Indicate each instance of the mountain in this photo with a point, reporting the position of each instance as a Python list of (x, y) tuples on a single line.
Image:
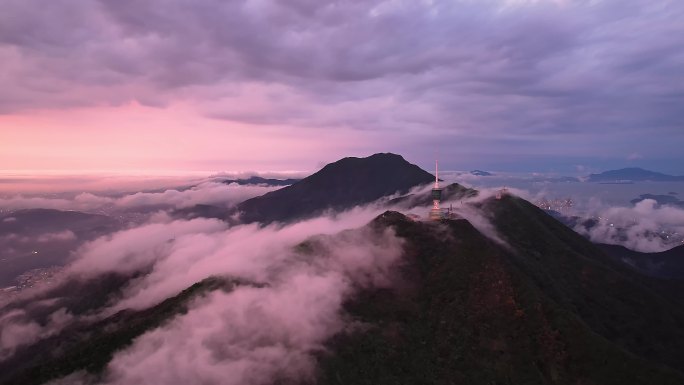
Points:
[(616, 302), (90, 345), (337, 186), (481, 173), (515, 297), (540, 306), (261, 181), (667, 264), (547, 307), (634, 174)]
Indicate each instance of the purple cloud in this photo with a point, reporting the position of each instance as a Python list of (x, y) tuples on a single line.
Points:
[(530, 74)]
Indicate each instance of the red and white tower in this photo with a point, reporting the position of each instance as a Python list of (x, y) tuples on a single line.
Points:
[(436, 212)]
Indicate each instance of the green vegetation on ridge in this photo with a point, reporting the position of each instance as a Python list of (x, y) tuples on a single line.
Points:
[(90, 347), (464, 311)]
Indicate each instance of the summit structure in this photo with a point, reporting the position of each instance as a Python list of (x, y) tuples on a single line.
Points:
[(436, 211)]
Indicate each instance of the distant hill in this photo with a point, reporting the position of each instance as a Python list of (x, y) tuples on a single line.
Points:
[(633, 174), (481, 173), (559, 179), (201, 211), (39, 238), (452, 192), (50, 220), (257, 180), (670, 200), (338, 186)]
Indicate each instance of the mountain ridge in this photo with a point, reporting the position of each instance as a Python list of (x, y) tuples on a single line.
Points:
[(479, 313), (464, 307), (340, 185), (520, 298), (257, 180), (635, 174), (668, 264)]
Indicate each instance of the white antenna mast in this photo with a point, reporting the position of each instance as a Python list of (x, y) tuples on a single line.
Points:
[(436, 212)]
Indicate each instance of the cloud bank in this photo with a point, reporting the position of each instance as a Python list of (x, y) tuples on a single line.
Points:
[(526, 79), (645, 227), (251, 335), (209, 193)]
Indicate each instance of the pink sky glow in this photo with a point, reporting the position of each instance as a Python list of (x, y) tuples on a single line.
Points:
[(137, 139), (511, 85)]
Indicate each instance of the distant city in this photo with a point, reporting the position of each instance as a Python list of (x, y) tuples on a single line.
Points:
[(30, 279), (560, 205)]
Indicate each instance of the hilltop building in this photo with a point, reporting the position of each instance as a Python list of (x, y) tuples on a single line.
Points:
[(501, 193)]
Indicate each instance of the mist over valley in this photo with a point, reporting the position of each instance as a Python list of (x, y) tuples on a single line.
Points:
[(287, 282)]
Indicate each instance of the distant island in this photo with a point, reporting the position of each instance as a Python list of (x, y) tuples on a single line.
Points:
[(560, 179), (257, 180), (670, 199), (481, 173), (632, 174)]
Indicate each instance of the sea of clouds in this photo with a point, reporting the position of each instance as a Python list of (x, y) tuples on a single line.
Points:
[(206, 192), (256, 333), (646, 226), (253, 333)]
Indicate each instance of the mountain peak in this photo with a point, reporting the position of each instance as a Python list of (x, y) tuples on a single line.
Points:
[(481, 173), (633, 174), (379, 158), (338, 186)]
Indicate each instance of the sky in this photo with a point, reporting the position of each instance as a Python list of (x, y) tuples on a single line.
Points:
[(559, 86)]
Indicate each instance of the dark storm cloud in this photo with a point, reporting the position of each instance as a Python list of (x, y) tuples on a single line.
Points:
[(454, 67)]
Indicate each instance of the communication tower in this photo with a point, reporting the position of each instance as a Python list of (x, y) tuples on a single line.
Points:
[(436, 212)]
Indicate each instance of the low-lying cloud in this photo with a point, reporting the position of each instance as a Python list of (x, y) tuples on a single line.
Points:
[(253, 334), (62, 236), (210, 193), (645, 227), (17, 329), (180, 253), (603, 213)]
